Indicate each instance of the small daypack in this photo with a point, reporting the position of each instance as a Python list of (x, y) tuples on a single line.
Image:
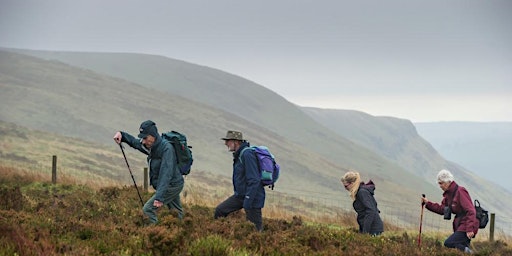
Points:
[(182, 150), (482, 215), (270, 170)]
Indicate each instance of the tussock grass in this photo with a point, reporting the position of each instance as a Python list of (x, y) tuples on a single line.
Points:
[(40, 218)]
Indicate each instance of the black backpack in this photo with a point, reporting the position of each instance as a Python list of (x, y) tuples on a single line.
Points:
[(481, 214), (183, 151)]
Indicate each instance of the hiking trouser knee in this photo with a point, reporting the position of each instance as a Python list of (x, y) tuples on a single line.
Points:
[(171, 198), (150, 210), (457, 240), (176, 204), (229, 205)]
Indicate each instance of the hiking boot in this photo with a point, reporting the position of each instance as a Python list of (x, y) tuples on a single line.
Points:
[(468, 251)]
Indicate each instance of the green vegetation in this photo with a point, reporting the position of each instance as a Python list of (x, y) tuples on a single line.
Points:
[(40, 218), (74, 114), (86, 99)]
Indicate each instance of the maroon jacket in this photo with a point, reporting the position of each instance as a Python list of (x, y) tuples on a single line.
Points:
[(462, 205)]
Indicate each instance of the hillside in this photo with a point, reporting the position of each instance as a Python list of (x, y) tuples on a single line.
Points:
[(236, 96), (398, 141), (78, 102), (483, 148), (395, 139), (52, 96), (40, 218)]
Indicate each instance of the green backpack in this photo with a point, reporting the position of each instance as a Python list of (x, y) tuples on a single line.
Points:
[(183, 151)]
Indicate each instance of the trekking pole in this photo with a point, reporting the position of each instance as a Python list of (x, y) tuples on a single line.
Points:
[(126, 160), (421, 221)]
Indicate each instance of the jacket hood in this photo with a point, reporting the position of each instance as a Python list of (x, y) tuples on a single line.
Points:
[(370, 186)]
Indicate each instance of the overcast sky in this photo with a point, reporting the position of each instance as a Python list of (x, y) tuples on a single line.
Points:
[(436, 60)]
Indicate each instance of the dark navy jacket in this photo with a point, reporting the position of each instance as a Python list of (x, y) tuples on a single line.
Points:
[(161, 159), (367, 212), (247, 178)]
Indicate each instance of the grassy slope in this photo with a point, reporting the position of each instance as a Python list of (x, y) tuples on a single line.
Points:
[(234, 95), (75, 102), (94, 163), (463, 143), (39, 218), (398, 141)]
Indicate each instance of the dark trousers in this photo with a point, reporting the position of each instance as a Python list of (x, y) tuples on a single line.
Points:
[(171, 199), (457, 240), (234, 203)]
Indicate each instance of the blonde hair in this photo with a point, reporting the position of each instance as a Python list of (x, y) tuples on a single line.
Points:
[(354, 178)]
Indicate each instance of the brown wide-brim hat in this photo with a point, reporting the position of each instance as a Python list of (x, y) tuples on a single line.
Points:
[(233, 135)]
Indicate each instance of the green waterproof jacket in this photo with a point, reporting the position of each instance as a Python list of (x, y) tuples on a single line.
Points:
[(161, 159)]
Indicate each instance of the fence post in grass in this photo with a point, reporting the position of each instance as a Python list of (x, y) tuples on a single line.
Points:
[(54, 169), (146, 179), (491, 228)]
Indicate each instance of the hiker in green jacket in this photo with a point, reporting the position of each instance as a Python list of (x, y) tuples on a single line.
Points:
[(164, 175)]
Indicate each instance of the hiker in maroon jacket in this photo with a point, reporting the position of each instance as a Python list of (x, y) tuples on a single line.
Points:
[(456, 200)]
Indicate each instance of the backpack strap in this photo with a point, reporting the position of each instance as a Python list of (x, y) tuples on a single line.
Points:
[(255, 155), (242, 152), (254, 152)]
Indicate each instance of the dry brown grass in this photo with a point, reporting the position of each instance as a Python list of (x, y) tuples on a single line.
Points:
[(106, 220), (30, 173), (199, 191)]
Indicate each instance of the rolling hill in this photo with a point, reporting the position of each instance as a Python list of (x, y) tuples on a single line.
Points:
[(398, 141), (483, 148), (91, 95)]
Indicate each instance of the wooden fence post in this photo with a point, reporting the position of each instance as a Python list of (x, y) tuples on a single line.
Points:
[(146, 179), (491, 228), (54, 169)]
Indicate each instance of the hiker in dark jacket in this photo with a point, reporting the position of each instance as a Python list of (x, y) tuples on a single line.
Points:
[(164, 175), (249, 193), (364, 203), (457, 200)]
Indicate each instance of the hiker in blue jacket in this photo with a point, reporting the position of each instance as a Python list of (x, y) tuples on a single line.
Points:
[(164, 175), (364, 203), (249, 193)]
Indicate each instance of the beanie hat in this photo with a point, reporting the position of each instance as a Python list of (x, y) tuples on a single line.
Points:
[(148, 128)]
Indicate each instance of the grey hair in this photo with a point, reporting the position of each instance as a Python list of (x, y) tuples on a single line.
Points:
[(445, 176)]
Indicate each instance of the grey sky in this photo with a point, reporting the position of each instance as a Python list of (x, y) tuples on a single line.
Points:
[(420, 60)]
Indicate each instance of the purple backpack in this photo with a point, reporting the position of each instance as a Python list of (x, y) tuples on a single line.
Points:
[(267, 164)]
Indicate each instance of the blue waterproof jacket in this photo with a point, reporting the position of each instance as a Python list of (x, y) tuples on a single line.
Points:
[(247, 178), (161, 159)]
